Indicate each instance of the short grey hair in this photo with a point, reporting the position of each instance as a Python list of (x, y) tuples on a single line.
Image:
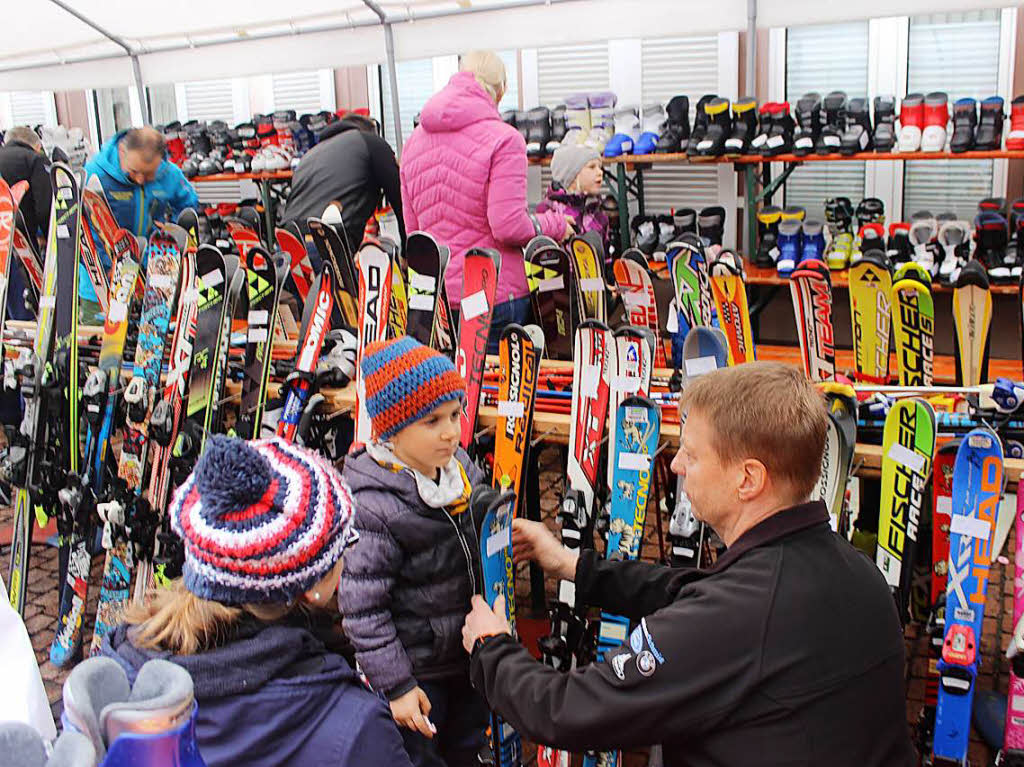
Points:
[(25, 135)]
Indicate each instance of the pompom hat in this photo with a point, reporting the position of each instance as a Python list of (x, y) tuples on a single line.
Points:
[(262, 521), (405, 381)]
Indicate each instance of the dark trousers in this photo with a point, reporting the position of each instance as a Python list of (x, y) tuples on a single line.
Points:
[(460, 716)]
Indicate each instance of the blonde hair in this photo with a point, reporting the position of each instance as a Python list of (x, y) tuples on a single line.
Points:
[(767, 411), (176, 620), (488, 69)]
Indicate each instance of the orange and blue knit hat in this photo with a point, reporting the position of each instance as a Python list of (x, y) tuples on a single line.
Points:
[(405, 381)]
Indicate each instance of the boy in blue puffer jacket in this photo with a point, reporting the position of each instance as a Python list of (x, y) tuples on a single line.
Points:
[(407, 586)]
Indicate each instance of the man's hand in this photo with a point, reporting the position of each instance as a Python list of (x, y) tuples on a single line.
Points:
[(533, 541), (411, 711), (482, 621)]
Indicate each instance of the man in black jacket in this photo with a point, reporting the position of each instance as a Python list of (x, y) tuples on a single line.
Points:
[(788, 651), (21, 159), (350, 164)]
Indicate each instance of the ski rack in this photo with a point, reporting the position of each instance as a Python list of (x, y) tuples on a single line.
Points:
[(263, 180)]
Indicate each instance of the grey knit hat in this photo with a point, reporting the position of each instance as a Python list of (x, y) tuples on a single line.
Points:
[(568, 161)]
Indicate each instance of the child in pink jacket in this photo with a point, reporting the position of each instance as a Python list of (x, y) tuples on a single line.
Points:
[(463, 176)]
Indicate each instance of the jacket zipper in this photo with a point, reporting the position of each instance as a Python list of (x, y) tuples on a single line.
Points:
[(465, 551), (142, 212)]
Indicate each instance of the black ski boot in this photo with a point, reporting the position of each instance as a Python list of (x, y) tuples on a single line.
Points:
[(780, 137), (839, 215), (808, 111), (538, 131), (711, 224), (767, 236), (744, 127), (557, 129), (833, 123), (764, 128), (675, 131), (700, 124), (857, 136), (719, 128), (885, 123), (991, 234), (965, 122), (870, 211), (990, 125), (685, 220), (993, 205)]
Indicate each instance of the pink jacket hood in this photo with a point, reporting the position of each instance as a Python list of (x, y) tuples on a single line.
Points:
[(464, 181)]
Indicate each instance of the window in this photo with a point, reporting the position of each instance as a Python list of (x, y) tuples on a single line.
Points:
[(29, 108), (511, 98), (824, 58), (957, 53), (113, 111), (302, 91), (415, 86), (207, 100), (162, 104), (670, 67)]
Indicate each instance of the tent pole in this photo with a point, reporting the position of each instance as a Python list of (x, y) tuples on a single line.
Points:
[(147, 112), (751, 74), (389, 47)]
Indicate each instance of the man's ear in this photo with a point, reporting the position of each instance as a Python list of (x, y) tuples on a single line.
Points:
[(753, 479)]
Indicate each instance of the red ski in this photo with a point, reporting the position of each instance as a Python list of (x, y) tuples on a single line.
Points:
[(479, 284)]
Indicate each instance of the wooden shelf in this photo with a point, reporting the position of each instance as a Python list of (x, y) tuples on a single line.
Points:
[(271, 175), (758, 275)]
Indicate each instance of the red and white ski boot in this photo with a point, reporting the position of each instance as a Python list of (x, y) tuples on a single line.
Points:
[(936, 115), (911, 123), (1015, 138)]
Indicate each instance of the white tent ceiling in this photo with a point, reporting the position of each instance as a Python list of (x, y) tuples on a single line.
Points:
[(45, 47)]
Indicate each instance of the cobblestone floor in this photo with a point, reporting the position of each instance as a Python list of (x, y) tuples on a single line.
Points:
[(41, 613)]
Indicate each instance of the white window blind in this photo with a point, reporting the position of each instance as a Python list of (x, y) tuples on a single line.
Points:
[(297, 90), (415, 86), (671, 67), (30, 108), (209, 100), (511, 98), (824, 58), (957, 53)]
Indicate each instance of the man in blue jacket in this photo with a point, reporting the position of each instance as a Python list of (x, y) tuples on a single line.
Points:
[(141, 185)]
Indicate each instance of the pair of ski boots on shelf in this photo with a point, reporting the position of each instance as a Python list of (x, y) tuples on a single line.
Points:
[(774, 131), (588, 118), (786, 237), (924, 119), (110, 723), (999, 234), (838, 125), (543, 129), (939, 245), (721, 129), (653, 234)]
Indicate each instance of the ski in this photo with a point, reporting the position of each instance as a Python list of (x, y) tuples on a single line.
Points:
[(519, 359), (316, 322), (691, 284), (972, 315), (98, 213), (870, 311), (479, 284), (631, 457), (588, 262), (398, 311), (552, 284), (332, 249), (25, 248), (426, 271), (1013, 743), (977, 486), (301, 268), (730, 294), (8, 206), (251, 253), (445, 331), (636, 288), (837, 460), (263, 288), (499, 580), (908, 444), (913, 331), (375, 283), (811, 288), (630, 365)]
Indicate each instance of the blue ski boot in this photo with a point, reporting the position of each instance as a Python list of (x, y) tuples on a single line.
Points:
[(790, 247), (813, 241)]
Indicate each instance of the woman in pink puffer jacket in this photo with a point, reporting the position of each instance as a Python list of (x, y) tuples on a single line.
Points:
[(464, 180)]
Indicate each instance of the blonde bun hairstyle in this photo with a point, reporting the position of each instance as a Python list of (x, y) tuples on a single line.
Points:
[(488, 69)]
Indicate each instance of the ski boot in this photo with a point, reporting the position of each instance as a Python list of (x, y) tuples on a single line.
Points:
[(685, 220), (833, 123), (557, 130), (871, 210), (857, 136), (764, 127), (991, 235), (911, 122), (993, 205), (808, 118), (627, 129), (793, 213), (885, 123), (645, 234), (652, 117), (538, 131), (869, 237), (675, 131), (923, 232), (790, 246), (899, 249), (936, 115), (154, 723), (711, 225), (700, 124), (965, 122), (955, 240), (509, 117), (666, 226), (744, 127), (780, 135), (813, 237), (989, 135), (22, 745), (839, 221), (1015, 137), (718, 129), (768, 219), (602, 120), (577, 119)]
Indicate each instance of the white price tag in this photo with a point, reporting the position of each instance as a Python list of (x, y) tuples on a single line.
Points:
[(970, 526), (212, 278), (474, 305), (627, 384), (256, 335), (672, 323), (421, 302), (117, 311), (64, 192), (258, 317), (590, 377), (162, 281), (633, 299), (62, 231), (191, 296), (592, 284), (499, 540), (510, 409), (830, 140), (550, 284), (47, 302), (634, 461), (906, 458), (698, 366), (944, 505), (775, 141), (422, 282)]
